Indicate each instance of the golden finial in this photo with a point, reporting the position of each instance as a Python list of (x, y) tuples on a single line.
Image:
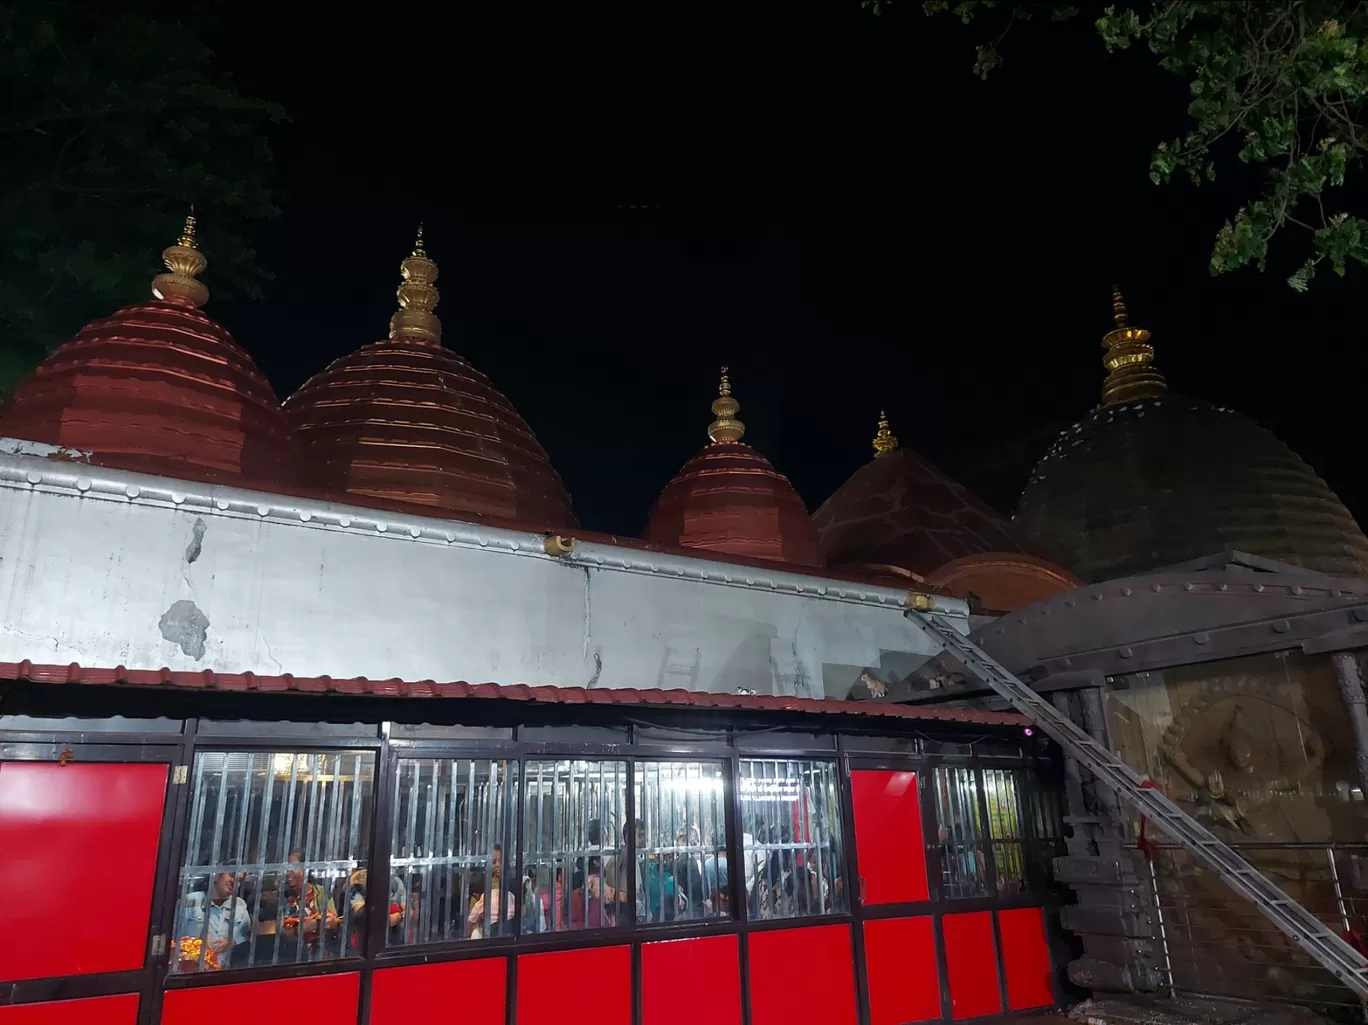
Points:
[(884, 440), (1131, 374), (182, 261), (726, 427), (418, 297), (1118, 305)]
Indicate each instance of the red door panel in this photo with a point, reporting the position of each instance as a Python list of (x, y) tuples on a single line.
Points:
[(118, 1010), (900, 966), (888, 837), (576, 987), (1026, 958), (685, 982), (971, 956), (315, 998), (802, 976), (449, 993), (65, 827)]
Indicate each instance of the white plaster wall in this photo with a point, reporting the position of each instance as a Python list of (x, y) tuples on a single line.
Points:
[(91, 561)]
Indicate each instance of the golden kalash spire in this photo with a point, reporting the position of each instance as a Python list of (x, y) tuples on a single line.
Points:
[(884, 439), (726, 427), (183, 261), (1131, 374), (418, 297)]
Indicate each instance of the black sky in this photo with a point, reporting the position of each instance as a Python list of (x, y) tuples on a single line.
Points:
[(829, 202)]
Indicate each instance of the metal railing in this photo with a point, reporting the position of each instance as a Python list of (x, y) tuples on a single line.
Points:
[(1213, 944)]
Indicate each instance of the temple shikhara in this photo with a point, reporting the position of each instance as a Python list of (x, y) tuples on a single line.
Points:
[(328, 708)]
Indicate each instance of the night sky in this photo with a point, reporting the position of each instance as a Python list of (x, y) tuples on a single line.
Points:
[(832, 204)]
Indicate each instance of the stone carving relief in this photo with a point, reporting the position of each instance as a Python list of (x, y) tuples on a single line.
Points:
[(1240, 753)]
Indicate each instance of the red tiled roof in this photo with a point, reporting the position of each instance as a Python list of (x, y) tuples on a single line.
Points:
[(207, 679)]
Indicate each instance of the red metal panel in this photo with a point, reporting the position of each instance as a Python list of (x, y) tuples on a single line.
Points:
[(314, 998), (1026, 958), (116, 1010), (888, 837), (58, 825), (685, 982), (900, 968), (971, 956), (802, 977), (449, 993), (576, 987)]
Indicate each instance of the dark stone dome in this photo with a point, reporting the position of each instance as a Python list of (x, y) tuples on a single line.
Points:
[(1145, 484)]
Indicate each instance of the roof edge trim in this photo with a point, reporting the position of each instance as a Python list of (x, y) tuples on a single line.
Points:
[(58, 476)]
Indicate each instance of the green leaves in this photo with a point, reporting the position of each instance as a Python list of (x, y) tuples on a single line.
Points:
[(114, 123), (1278, 83)]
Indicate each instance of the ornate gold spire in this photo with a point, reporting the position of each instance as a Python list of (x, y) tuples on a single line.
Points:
[(418, 297), (183, 261), (1131, 374), (726, 427), (884, 440)]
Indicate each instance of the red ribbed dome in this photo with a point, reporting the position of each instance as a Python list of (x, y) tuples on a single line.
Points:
[(157, 388), (729, 499), (410, 421)]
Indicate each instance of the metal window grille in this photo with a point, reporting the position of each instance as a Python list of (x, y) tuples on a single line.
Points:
[(575, 860), (682, 863), (960, 833), (274, 839), (447, 842), (791, 835), (1002, 793)]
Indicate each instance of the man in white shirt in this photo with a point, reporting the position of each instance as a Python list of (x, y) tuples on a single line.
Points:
[(229, 919)]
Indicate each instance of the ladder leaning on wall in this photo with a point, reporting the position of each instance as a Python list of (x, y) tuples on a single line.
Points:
[(1306, 930)]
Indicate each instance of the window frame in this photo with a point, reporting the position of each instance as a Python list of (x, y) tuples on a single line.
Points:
[(268, 745)]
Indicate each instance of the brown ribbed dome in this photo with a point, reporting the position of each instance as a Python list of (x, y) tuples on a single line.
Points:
[(410, 421), (899, 509), (159, 388), (729, 499), (1152, 483)]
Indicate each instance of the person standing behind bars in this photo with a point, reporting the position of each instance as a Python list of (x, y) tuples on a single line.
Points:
[(616, 869)]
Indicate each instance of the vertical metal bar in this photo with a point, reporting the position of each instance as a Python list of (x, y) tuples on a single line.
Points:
[(1163, 929), (814, 855), (541, 800), (264, 857), (287, 842), (422, 835), (563, 866), (215, 856), (336, 852), (311, 851), (240, 856), (487, 824), (1339, 892), (628, 839), (353, 828)]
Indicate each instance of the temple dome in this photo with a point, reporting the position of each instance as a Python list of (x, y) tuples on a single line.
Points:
[(408, 420), (159, 388), (729, 499), (898, 509), (1151, 479)]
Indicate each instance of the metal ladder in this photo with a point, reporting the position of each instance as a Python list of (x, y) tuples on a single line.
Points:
[(1301, 926)]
